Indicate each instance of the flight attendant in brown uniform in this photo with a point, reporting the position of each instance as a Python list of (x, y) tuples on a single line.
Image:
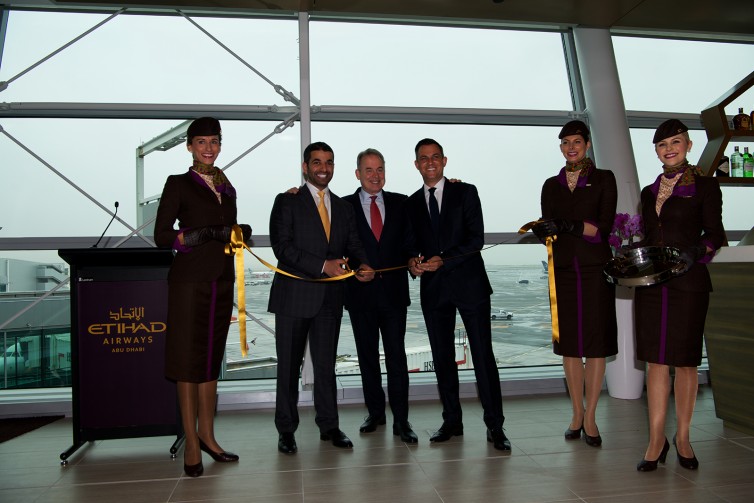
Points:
[(682, 209), (200, 287), (578, 206)]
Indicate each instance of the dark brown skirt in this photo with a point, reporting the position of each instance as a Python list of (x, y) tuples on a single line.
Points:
[(198, 320), (670, 325), (586, 313)]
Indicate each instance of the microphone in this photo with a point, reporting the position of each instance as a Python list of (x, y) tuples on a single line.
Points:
[(108, 225)]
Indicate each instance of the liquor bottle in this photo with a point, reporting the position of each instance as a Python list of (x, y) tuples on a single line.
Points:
[(748, 163), (741, 120), (751, 120), (736, 164), (723, 167)]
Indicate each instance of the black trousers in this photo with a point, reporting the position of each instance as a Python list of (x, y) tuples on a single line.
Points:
[(367, 326), (441, 328), (291, 334)]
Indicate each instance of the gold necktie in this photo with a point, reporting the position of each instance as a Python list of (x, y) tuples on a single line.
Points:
[(323, 213)]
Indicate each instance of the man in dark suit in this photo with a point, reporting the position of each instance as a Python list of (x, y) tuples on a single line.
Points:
[(447, 226), (380, 305), (312, 232)]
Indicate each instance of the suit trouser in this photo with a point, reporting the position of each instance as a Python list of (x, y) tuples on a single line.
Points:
[(367, 325), (291, 335), (441, 329)]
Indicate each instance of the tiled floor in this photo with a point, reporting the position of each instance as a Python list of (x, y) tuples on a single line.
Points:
[(543, 467)]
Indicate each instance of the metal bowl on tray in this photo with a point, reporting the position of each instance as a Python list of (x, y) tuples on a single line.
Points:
[(644, 266)]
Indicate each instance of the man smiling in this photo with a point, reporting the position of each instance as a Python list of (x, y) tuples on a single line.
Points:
[(312, 233)]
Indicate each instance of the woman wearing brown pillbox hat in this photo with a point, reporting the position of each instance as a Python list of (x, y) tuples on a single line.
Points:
[(200, 287), (682, 209), (578, 205)]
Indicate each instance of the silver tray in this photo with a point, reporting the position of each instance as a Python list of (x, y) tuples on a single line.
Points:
[(645, 266)]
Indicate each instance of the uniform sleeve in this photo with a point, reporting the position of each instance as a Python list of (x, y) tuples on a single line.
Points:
[(165, 234)]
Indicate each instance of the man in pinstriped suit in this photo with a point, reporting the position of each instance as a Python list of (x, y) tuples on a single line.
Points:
[(308, 309)]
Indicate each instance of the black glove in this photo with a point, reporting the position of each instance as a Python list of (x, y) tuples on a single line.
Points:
[(195, 237), (558, 226), (246, 230), (545, 229), (575, 227), (691, 254)]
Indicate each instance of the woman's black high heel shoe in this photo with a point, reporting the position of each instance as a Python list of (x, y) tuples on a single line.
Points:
[(573, 434), (193, 470), (592, 441), (220, 457), (650, 466), (687, 463)]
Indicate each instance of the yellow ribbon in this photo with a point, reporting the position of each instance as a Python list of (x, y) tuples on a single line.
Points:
[(550, 277), (235, 247)]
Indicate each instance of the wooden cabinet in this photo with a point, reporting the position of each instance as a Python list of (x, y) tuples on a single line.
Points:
[(719, 133)]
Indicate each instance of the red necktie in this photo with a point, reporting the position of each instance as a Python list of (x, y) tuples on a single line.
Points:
[(376, 218)]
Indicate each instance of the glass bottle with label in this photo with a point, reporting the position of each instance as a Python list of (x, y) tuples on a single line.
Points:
[(748, 163), (736, 164), (741, 120)]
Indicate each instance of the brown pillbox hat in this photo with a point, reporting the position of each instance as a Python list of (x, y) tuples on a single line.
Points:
[(203, 126), (574, 127), (670, 127)]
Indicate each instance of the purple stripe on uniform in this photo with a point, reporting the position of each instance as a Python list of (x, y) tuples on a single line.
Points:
[(580, 305), (663, 327), (211, 334)]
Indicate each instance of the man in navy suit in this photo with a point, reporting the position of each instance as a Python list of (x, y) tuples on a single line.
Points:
[(447, 226), (381, 305), (311, 233)]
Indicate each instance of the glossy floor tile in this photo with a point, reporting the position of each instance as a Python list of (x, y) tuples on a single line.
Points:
[(543, 466)]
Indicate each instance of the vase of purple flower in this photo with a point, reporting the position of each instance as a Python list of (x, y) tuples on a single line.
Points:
[(626, 229)]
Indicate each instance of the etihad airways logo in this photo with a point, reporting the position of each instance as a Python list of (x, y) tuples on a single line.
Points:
[(129, 328)]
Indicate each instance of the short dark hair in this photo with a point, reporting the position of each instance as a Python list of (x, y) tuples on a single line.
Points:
[(369, 151), (316, 146), (424, 142)]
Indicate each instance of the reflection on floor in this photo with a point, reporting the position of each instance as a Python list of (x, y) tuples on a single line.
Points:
[(543, 467)]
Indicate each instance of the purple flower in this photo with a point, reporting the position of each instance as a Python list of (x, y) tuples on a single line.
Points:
[(625, 227)]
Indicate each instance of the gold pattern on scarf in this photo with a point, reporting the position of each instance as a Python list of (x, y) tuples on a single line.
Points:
[(665, 191)]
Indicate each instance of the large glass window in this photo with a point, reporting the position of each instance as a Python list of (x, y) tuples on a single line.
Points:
[(98, 156), (148, 59), (426, 66), (681, 75)]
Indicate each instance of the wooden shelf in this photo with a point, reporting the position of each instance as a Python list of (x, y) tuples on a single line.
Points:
[(727, 181), (719, 133)]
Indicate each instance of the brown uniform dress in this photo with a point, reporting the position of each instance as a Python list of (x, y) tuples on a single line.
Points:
[(586, 301), (200, 282), (670, 316)]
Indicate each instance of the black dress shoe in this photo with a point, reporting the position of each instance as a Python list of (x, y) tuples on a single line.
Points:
[(338, 438), (498, 439), (220, 457), (446, 431), (193, 470), (573, 434), (687, 463), (287, 443), (403, 429), (371, 422), (650, 466)]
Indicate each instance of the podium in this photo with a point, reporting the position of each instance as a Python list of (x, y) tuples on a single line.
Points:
[(118, 329)]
